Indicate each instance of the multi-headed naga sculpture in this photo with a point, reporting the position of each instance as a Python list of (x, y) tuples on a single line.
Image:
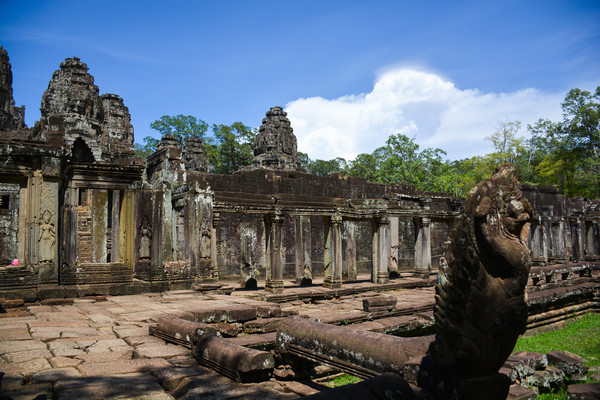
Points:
[(480, 305)]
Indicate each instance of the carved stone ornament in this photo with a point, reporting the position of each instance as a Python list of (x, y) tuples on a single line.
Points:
[(480, 305)]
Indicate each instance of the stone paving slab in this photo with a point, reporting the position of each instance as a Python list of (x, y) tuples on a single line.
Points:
[(26, 355), (102, 349), (130, 386), (122, 366), (10, 346)]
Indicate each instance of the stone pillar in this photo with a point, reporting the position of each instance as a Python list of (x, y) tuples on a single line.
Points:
[(422, 248), (127, 229), (349, 271), (558, 234), (547, 213), (381, 247), (333, 252), (539, 248), (576, 238), (116, 214), (303, 249), (591, 240), (394, 246), (274, 282), (216, 221)]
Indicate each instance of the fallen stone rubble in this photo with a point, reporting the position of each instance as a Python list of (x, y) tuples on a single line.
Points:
[(537, 373)]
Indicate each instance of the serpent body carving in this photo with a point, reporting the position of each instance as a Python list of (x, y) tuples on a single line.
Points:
[(480, 299)]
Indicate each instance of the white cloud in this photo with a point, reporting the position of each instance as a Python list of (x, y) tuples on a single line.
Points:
[(420, 105)]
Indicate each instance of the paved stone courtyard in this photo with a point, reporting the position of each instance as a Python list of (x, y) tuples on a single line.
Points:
[(100, 348)]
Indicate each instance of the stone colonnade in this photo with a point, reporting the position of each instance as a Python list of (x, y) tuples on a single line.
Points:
[(558, 239), (384, 240)]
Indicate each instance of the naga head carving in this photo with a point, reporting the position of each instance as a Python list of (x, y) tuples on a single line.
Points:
[(480, 302)]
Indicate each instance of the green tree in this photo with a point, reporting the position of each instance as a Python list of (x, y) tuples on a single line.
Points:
[(233, 147), (327, 167), (181, 127), (567, 152)]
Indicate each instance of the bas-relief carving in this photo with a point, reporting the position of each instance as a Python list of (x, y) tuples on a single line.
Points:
[(248, 243), (47, 239), (205, 231), (145, 239)]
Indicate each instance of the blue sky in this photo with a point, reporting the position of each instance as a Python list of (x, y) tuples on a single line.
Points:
[(349, 73)]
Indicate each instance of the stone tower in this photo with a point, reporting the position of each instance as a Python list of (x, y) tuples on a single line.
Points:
[(11, 117), (91, 127), (194, 155), (275, 144)]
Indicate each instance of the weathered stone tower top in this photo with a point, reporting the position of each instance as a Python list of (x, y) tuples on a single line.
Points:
[(11, 117), (194, 155), (275, 145), (75, 116), (71, 91)]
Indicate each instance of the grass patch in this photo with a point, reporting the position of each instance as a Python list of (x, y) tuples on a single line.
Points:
[(341, 380), (581, 337)]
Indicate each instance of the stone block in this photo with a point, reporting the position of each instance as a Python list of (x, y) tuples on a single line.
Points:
[(410, 370), (131, 386), (518, 392), (584, 391), (55, 374), (524, 366), (540, 360), (379, 303), (20, 356), (62, 362), (11, 346), (227, 329), (236, 362), (106, 356), (27, 367), (180, 331), (122, 366), (546, 379), (569, 363), (512, 373), (170, 378), (160, 351), (56, 302), (231, 313), (262, 325), (268, 310)]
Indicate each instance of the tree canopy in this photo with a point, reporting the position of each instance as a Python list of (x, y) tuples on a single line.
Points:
[(563, 153)]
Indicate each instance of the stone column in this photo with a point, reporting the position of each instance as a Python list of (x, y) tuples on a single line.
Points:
[(591, 240), (423, 248), (547, 213), (558, 234), (303, 249), (274, 281), (349, 250), (576, 237), (216, 221), (382, 247), (333, 252), (394, 246), (116, 214)]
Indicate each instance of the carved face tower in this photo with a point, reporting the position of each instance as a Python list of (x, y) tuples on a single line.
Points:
[(275, 144)]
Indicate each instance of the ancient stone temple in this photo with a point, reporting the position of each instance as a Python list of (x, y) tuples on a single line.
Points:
[(275, 145), (83, 216), (11, 117)]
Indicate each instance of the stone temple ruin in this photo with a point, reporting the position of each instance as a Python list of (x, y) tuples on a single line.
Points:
[(80, 215)]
